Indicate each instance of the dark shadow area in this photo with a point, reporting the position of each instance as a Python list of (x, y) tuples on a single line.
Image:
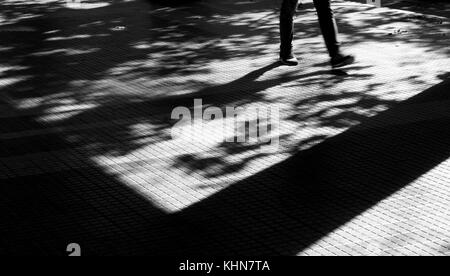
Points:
[(281, 210), (56, 53), (42, 213)]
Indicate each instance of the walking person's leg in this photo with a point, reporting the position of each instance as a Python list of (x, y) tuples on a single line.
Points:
[(288, 9), (328, 26), (330, 33)]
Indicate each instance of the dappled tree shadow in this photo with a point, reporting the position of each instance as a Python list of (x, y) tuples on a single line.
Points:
[(154, 45), (104, 62), (288, 207), (113, 68)]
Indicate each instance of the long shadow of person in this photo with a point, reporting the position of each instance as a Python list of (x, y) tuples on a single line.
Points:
[(130, 110)]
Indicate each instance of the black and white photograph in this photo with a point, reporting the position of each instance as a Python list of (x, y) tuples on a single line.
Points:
[(222, 134)]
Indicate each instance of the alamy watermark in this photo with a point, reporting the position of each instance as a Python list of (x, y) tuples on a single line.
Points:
[(253, 125)]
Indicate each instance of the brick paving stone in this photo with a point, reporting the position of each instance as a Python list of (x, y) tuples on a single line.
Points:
[(87, 155)]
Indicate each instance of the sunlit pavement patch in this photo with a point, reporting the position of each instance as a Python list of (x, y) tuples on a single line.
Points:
[(112, 106)]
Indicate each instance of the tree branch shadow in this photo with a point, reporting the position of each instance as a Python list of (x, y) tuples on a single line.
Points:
[(290, 206)]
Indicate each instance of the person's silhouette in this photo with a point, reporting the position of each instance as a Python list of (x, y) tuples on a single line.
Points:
[(329, 31)]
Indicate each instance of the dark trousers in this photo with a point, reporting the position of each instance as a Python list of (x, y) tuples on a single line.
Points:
[(326, 20)]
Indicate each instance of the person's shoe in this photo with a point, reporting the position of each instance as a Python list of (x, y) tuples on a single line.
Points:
[(341, 60), (289, 61)]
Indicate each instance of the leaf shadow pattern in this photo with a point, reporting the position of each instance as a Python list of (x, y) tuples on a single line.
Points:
[(286, 208), (153, 48), (50, 66)]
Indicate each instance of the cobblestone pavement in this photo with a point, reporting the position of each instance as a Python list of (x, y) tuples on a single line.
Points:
[(87, 156)]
